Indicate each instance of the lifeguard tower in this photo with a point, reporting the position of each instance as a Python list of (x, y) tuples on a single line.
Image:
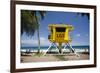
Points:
[(59, 33)]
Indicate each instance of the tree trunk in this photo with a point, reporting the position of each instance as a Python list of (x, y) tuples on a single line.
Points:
[(60, 48), (38, 34), (38, 40)]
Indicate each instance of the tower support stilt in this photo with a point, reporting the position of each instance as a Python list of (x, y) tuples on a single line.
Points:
[(60, 50), (52, 44), (71, 49)]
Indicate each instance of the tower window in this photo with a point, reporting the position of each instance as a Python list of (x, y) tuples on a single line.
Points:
[(60, 29)]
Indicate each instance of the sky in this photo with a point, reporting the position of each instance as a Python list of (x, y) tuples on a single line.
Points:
[(80, 34)]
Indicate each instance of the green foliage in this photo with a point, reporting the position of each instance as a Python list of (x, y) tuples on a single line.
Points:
[(38, 54), (30, 21), (60, 57), (83, 14)]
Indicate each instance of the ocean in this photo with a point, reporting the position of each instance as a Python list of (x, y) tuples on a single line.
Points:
[(46, 47)]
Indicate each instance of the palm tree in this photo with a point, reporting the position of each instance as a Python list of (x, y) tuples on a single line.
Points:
[(30, 23), (82, 14), (37, 19)]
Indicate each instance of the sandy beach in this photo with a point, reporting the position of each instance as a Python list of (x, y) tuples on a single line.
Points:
[(32, 57)]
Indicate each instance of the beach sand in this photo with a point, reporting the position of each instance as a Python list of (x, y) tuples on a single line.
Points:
[(53, 57)]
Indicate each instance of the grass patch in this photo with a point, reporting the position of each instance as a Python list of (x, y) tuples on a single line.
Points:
[(38, 54), (60, 57)]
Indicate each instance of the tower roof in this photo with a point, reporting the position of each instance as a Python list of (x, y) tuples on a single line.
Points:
[(61, 25)]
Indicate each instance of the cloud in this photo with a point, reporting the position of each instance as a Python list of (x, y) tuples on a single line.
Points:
[(78, 35), (34, 42), (42, 39), (29, 42)]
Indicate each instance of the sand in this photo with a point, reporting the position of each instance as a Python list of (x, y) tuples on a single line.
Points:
[(53, 57)]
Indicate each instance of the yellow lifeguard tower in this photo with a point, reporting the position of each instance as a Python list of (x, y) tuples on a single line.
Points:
[(59, 33)]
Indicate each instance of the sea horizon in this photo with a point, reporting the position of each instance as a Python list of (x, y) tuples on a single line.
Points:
[(46, 47)]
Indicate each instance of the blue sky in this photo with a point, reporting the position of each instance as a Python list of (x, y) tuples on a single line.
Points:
[(80, 34)]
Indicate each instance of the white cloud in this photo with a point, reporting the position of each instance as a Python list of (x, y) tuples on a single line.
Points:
[(34, 42), (42, 39), (78, 35)]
